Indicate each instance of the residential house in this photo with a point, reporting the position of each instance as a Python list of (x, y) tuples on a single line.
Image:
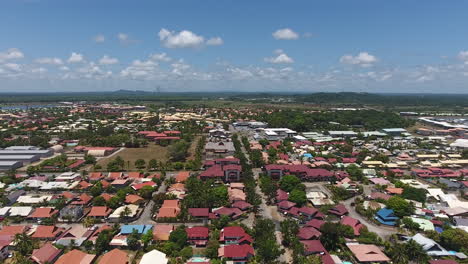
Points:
[(47, 232), (115, 256), (197, 235), (339, 210), (76, 257), (46, 254), (238, 254), (368, 253), (386, 217)]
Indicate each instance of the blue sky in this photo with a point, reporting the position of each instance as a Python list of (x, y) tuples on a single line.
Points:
[(217, 45)]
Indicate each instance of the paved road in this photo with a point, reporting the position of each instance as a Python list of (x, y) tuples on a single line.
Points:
[(272, 213), (383, 231), (146, 218)]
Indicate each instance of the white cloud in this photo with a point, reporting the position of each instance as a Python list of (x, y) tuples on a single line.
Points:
[(182, 39), (286, 34), (122, 37), (11, 54), (160, 57), (52, 61), (12, 67), (215, 41), (75, 58), (39, 70), (64, 68), (363, 59), (280, 59), (106, 60), (463, 56), (99, 38)]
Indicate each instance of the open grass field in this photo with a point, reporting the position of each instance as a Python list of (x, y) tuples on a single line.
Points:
[(153, 151)]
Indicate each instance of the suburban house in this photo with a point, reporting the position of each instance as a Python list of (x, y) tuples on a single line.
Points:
[(197, 235), (76, 257), (368, 253), (46, 254), (386, 217), (238, 254)]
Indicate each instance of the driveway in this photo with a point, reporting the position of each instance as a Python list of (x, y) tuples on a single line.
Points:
[(146, 218), (383, 231)]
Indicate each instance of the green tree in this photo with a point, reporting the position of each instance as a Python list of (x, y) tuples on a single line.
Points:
[(289, 182), (298, 196), (152, 164), (179, 237), (24, 244), (400, 206), (146, 192), (133, 240), (140, 163)]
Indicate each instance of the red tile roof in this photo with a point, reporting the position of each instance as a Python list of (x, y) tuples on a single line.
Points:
[(115, 256), (43, 212), (76, 257), (199, 212), (46, 254), (99, 211), (47, 232), (197, 232)]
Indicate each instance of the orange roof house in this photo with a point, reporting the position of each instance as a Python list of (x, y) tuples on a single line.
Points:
[(368, 253), (169, 209), (95, 176), (182, 176), (162, 232), (115, 256), (83, 199), (43, 212), (134, 199), (47, 232), (76, 257), (115, 175), (394, 190), (106, 196), (135, 175), (13, 230), (99, 211)]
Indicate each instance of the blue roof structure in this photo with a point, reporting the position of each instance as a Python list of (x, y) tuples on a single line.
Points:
[(308, 155), (386, 217), (141, 229)]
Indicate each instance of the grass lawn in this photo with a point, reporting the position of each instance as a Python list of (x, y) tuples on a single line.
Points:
[(153, 151)]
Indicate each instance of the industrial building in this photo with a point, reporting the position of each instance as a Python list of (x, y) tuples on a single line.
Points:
[(10, 165)]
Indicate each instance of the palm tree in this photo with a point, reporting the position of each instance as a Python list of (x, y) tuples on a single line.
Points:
[(24, 244), (415, 252)]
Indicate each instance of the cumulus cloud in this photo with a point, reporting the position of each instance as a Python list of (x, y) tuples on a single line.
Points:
[(286, 34), (47, 60), (186, 39), (215, 41), (75, 58), (106, 60), (160, 57), (12, 67), (363, 59), (99, 38), (11, 54), (281, 58), (182, 39)]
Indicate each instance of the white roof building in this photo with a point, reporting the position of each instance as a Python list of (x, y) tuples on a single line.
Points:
[(29, 199), (133, 208), (154, 257)]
